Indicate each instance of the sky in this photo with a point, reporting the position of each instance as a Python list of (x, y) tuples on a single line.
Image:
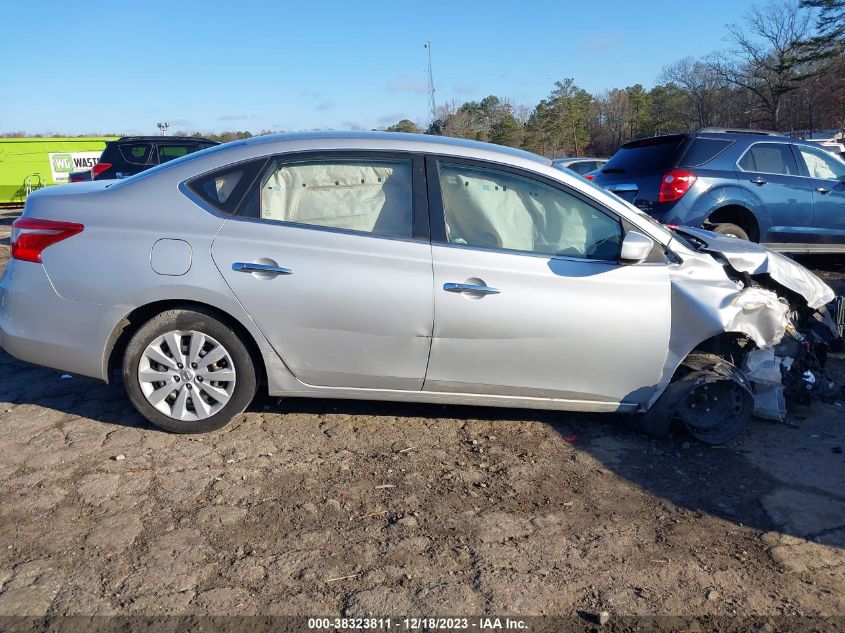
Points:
[(209, 65)]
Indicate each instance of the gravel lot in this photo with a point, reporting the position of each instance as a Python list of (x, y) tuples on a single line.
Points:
[(337, 507)]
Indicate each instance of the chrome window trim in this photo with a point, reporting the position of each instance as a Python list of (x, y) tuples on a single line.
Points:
[(565, 258), (325, 229)]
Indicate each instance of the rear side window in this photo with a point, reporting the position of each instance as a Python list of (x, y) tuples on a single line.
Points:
[(770, 158), (136, 153), (223, 189), (169, 152), (652, 154), (703, 150), (368, 196)]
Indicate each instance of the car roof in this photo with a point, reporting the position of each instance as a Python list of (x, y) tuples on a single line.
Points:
[(396, 140), (158, 139)]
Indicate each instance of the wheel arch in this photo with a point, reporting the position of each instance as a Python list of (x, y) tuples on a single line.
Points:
[(737, 214), (126, 328)]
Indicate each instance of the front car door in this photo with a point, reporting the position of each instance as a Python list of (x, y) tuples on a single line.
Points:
[(775, 187), (326, 257), (530, 298), (827, 177)]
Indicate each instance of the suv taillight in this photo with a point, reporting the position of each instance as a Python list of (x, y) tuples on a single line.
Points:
[(99, 168), (674, 185), (30, 236)]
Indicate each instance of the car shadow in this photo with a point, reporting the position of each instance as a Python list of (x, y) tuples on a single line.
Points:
[(723, 481)]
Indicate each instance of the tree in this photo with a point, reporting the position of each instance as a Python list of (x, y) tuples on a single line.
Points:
[(701, 85), (405, 125), (558, 125), (766, 58), (829, 39)]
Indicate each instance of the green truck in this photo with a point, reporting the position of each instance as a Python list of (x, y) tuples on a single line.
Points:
[(27, 164)]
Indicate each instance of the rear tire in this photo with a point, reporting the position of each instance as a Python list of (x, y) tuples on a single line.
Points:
[(187, 372), (726, 228)]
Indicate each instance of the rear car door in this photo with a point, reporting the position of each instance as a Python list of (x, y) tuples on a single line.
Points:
[(530, 297), (773, 182), (827, 177), (330, 255)]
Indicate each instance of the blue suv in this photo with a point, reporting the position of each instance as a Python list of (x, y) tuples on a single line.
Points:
[(782, 192)]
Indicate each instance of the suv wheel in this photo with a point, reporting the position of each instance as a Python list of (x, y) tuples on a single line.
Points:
[(726, 228), (187, 372)]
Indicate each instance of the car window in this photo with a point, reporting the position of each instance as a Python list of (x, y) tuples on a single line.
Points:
[(371, 196), (703, 150), (822, 165), (770, 158), (493, 209), (225, 187), (135, 153), (657, 153), (169, 152), (583, 167)]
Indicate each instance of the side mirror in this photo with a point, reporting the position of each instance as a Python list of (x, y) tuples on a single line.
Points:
[(635, 248)]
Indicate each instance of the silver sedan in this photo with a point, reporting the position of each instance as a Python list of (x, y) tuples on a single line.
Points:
[(398, 267)]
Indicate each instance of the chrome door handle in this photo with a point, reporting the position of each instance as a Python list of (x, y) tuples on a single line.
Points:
[(759, 181), (823, 190), (473, 288), (248, 267)]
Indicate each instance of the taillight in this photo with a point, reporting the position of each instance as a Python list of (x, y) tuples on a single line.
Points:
[(674, 185), (99, 168), (30, 236), (590, 176)]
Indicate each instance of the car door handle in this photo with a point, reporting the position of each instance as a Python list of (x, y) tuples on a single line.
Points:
[(473, 288), (759, 181), (823, 190), (249, 267)]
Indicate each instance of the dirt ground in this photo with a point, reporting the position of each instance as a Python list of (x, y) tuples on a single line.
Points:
[(355, 508)]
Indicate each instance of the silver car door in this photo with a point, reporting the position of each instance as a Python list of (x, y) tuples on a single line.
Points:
[(330, 256), (530, 298)]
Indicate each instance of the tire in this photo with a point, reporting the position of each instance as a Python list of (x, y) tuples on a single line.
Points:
[(718, 404), (204, 397), (726, 228)]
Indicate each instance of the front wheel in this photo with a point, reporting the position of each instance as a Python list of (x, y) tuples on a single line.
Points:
[(187, 372)]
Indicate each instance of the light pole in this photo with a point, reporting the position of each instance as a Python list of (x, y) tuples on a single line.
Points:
[(163, 127)]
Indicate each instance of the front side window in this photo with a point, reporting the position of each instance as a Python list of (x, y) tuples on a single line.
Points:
[(370, 196), (822, 165), (493, 209), (770, 158)]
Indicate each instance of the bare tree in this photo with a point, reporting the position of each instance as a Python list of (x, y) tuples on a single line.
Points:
[(701, 84), (766, 58)]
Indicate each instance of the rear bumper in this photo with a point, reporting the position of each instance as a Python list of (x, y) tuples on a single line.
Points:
[(40, 327)]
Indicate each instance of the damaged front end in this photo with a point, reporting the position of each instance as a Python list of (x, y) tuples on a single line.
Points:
[(750, 332)]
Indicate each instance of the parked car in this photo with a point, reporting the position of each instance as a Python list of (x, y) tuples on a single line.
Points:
[(581, 165), (785, 193), (398, 267), (133, 154)]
